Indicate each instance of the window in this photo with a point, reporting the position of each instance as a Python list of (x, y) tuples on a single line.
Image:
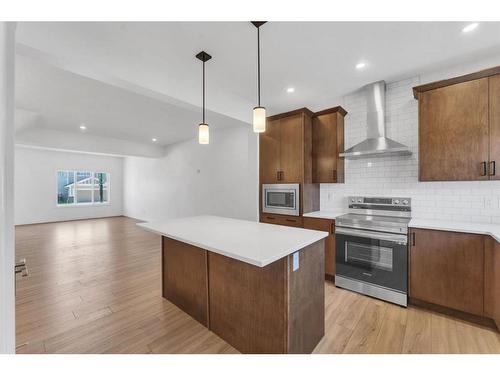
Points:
[(82, 188)]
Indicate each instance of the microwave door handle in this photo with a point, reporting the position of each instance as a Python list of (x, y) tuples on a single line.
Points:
[(377, 236)]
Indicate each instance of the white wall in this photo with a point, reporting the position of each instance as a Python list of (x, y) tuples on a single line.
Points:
[(398, 176), (191, 179), (7, 299), (36, 186)]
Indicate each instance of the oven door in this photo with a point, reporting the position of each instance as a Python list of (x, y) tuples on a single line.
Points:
[(280, 199), (373, 257)]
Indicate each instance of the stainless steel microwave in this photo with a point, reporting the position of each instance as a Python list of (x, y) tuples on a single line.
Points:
[(280, 199)]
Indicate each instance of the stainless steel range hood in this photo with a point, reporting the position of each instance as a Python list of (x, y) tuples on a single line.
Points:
[(376, 144)]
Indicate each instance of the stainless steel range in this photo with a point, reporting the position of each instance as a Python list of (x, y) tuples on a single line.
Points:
[(372, 248)]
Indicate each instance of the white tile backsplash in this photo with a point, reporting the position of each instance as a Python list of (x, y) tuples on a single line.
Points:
[(472, 201)]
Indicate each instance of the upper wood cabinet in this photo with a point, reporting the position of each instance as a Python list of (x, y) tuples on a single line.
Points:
[(494, 102), (453, 132), (269, 152), (292, 147), (447, 269), (459, 127), (327, 144), (284, 151)]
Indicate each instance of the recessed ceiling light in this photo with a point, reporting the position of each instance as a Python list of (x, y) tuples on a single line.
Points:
[(360, 65), (290, 90), (154, 139), (470, 27), (83, 127)]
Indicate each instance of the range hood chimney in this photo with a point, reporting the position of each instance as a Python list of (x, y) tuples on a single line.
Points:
[(376, 144)]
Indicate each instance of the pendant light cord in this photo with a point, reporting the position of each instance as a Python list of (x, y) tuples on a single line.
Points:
[(203, 91), (258, 64)]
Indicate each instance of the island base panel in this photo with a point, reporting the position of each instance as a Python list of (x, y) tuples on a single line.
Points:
[(272, 309), (248, 303), (306, 299), (185, 281)]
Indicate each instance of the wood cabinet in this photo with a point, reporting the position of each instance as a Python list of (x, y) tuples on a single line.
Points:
[(494, 101), (278, 308), (453, 132), (285, 155), (269, 154), (492, 280), (289, 221), (283, 147), (459, 127), (292, 147), (447, 269), (325, 225), (327, 144)]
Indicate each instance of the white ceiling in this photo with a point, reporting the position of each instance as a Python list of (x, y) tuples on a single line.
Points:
[(65, 100), (138, 80)]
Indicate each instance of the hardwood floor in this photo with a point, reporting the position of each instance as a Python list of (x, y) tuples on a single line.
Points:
[(94, 287)]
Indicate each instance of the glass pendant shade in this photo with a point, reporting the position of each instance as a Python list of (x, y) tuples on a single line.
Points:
[(203, 136), (259, 119)]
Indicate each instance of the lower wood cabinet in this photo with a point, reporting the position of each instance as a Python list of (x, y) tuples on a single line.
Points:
[(290, 221), (492, 280), (447, 269), (325, 225)]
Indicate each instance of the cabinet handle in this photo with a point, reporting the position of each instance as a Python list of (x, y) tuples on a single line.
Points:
[(483, 164), (282, 175), (412, 238), (269, 218), (493, 168), (291, 220), (334, 175), (278, 175)]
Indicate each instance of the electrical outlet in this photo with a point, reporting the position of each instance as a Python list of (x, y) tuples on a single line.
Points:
[(489, 202)]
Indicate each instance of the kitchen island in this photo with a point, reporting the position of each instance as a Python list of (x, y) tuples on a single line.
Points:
[(258, 286)]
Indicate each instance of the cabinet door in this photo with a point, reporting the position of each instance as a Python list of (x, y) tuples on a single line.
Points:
[(325, 225), (494, 127), (453, 132), (269, 146), (292, 148), (492, 280), (328, 138), (446, 268)]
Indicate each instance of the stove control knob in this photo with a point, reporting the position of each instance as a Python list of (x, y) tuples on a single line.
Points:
[(396, 201), (353, 200), (405, 201), (360, 200)]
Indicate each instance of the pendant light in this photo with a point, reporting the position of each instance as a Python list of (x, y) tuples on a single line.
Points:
[(203, 134), (259, 113)]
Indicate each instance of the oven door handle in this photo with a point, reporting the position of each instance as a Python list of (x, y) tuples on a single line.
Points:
[(398, 238)]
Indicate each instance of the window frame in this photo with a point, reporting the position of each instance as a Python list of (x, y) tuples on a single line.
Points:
[(82, 204)]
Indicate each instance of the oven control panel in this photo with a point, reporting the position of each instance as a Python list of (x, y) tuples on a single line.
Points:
[(396, 203)]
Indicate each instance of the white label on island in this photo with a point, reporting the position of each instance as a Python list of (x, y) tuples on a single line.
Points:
[(295, 261)]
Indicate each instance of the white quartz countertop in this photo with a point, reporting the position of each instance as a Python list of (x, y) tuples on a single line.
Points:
[(332, 215), (256, 243), (492, 230)]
